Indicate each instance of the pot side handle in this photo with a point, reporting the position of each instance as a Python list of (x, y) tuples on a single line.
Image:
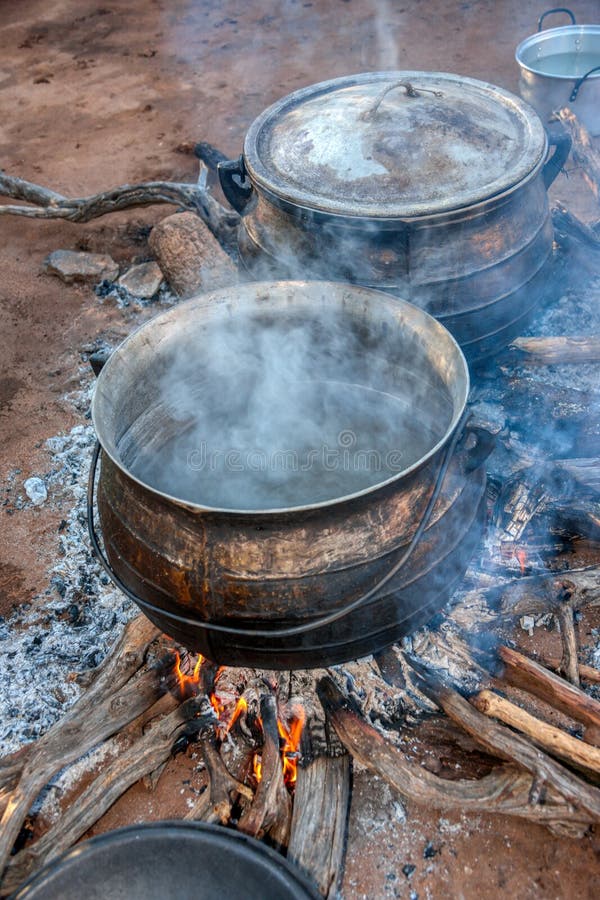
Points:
[(579, 82), (561, 140), (474, 447), (235, 183), (556, 9)]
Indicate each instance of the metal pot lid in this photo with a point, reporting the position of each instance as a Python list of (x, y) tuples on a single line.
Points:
[(394, 144)]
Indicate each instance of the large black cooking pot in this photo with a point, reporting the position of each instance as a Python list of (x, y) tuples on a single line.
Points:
[(286, 481), (428, 185), (169, 861)]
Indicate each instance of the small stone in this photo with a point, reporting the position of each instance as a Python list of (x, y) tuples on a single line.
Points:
[(191, 258), (430, 851), (36, 490), (72, 265), (142, 280), (527, 623), (408, 869)]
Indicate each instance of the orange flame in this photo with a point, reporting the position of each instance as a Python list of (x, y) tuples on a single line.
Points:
[(522, 559), (240, 707), (257, 767), (291, 742), (188, 681)]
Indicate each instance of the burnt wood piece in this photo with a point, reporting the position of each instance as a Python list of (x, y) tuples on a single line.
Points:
[(585, 472), (502, 742), (583, 152), (216, 803), (567, 227), (534, 594), (50, 205), (320, 814), (529, 675), (505, 790), (550, 351), (209, 155), (96, 717), (140, 758), (555, 741), (569, 665), (271, 808), (571, 429)]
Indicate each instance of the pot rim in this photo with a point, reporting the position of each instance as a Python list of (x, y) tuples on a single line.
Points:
[(541, 37), (395, 305)]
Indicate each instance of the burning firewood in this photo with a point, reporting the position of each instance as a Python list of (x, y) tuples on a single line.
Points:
[(223, 789), (505, 790), (320, 813), (554, 740), (270, 812)]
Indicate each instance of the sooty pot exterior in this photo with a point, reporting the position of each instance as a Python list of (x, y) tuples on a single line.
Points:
[(190, 569), (428, 185)]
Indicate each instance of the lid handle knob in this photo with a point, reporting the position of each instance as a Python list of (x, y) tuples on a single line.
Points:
[(410, 91)]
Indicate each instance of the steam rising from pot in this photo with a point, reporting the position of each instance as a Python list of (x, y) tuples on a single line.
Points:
[(276, 409)]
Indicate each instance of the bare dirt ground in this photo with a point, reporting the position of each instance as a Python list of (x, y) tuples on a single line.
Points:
[(95, 95)]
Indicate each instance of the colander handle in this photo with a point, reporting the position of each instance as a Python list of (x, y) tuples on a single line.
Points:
[(557, 9)]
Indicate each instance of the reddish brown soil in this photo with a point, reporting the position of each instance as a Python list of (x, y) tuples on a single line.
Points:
[(94, 95)]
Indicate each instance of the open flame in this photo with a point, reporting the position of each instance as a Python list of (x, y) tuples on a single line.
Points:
[(289, 735), (290, 739)]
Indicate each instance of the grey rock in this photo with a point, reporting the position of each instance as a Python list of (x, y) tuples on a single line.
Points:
[(142, 280), (36, 490), (72, 265)]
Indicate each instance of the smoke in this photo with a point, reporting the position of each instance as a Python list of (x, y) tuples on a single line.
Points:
[(294, 405)]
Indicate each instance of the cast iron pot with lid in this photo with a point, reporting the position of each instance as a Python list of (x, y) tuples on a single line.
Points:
[(300, 565), (428, 185)]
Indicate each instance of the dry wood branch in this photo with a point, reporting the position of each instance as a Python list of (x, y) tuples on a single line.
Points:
[(270, 812), (547, 351), (319, 818), (531, 676), (50, 205), (586, 673), (569, 664), (505, 790), (502, 742), (120, 663), (92, 720), (555, 741), (140, 758), (583, 152)]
